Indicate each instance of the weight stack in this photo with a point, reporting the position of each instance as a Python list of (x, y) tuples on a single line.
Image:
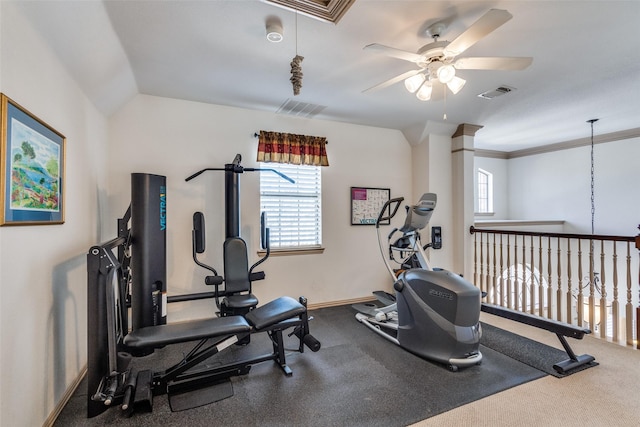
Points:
[(148, 250)]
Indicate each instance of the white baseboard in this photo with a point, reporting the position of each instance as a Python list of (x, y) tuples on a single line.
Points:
[(65, 399), (341, 302)]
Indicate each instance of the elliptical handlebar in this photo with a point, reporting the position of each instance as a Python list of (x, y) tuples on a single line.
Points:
[(390, 206), (408, 246), (392, 211)]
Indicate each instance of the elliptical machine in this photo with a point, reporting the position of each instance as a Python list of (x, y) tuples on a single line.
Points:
[(434, 313)]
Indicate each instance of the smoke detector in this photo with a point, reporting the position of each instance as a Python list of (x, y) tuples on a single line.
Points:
[(275, 34)]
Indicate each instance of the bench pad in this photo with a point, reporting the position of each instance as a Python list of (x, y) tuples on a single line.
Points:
[(273, 312), (537, 321), (160, 335)]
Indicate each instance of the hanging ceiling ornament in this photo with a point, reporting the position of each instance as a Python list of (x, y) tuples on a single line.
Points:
[(296, 74)]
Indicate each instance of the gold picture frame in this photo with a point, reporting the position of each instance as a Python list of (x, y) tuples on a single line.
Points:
[(32, 162)]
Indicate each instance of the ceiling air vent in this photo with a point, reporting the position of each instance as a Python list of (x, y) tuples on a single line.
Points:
[(502, 90), (300, 109)]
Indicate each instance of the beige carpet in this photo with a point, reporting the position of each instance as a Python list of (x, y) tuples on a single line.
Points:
[(606, 395)]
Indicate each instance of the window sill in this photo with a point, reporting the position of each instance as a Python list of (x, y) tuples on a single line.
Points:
[(483, 214), (292, 251)]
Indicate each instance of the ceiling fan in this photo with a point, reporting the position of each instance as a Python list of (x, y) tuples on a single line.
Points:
[(437, 61)]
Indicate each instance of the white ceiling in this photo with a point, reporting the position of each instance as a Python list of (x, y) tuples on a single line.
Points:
[(586, 61)]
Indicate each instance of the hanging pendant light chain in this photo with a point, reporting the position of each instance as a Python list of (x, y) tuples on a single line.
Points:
[(592, 273), (593, 197)]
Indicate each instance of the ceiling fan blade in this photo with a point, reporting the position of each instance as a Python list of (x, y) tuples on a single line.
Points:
[(393, 52), (489, 22), (393, 80), (493, 63)]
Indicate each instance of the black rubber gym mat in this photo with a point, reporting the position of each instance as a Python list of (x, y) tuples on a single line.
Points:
[(529, 352), (200, 397), (356, 379)]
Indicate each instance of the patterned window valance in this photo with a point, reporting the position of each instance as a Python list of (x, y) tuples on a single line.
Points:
[(279, 147)]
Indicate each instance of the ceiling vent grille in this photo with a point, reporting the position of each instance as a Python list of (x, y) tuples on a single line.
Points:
[(300, 109), (502, 90)]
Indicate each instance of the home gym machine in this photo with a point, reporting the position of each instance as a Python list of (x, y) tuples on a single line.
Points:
[(237, 296), (130, 271), (434, 313)]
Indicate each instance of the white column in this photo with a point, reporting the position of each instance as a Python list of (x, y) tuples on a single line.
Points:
[(462, 153)]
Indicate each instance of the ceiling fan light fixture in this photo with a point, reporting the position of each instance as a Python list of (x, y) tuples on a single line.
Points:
[(414, 82), (456, 84), (446, 73), (424, 94)]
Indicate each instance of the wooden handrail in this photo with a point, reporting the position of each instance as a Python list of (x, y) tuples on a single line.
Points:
[(473, 230)]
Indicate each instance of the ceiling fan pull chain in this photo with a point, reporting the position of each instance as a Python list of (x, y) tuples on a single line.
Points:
[(445, 102)]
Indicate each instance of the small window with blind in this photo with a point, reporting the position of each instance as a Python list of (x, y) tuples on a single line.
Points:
[(294, 211), (485, 192)]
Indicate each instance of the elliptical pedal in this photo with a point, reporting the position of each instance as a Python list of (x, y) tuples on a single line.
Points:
[(368, 308), (385, 297)]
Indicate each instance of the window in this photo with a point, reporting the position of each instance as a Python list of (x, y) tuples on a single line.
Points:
[(485, 191), (294, 214)]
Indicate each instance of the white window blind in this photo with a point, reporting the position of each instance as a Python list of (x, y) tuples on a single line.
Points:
[(293, 210)]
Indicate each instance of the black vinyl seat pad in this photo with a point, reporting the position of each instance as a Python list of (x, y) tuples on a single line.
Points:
[(240, 301), (273, 312), (193, 330)]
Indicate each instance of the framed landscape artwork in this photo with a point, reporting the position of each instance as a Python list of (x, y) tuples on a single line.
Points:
[(32, 163)]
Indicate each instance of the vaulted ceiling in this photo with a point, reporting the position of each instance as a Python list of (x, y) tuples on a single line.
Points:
[(586, 61)]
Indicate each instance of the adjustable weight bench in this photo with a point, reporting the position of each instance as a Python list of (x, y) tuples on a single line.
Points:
[(213, 335), (561, 330)]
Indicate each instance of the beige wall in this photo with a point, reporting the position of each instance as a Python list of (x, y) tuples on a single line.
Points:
[(431, 173), (557, 186), (176, 138), (42, 268)]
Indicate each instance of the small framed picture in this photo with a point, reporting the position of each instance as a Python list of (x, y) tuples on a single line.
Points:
[(32, 159), (366, 204)]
